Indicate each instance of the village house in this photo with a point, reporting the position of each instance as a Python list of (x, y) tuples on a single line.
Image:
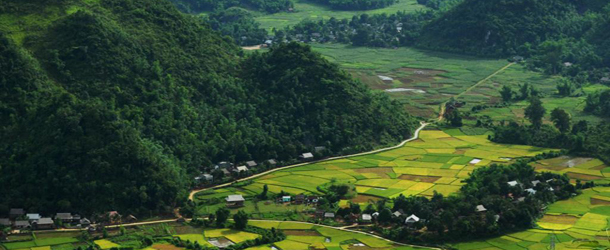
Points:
[(306, 156), (512, 183), (251, 164), (225, 172), (235, 200), (366, 218), (223, 165), (375, 214), (44, 223), (16, 213), (319, 149), (312, 199), (113, 217), (397, 214), (412, 219), (84, 223), (33, 217), (241, 169), (64, 217), (272, 162), (299, 199), (204, 178), (286, 199), (329, 215), (531, 191), (22, 224), (605, 80), (481, 208), (535, 183), (5, 222)]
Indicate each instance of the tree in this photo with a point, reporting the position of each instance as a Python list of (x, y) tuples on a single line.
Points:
[(535, 112), (222, 214), (454, 117), (385, 215), (565, 88), (240, 219), (506, 93), (561, 119), (263, 195)]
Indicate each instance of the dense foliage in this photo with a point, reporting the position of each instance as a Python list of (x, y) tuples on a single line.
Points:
[(115, 108), (487, 205), (381, 30), (356, 4), (599, 103), (196, 6), (239, 24), (500, 27)]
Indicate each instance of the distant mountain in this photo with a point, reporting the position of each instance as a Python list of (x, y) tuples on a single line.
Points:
[(116, 104)]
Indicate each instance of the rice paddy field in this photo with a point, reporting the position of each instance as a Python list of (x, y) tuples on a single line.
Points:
[(421, 80), (437, 161), (41, 241), (302, 236), (306, 10)]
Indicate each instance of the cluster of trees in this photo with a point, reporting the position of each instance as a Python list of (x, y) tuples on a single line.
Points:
[(459, 217), (117, 106), (579, 138), (239, 24), (197, 6), (380, 30), (439, 4), (599, 103), (356, 4)]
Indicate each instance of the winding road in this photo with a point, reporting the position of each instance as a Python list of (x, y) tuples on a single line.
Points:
[(415, 137)]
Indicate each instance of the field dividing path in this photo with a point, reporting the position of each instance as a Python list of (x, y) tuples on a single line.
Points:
[(441, 112), (415, 136)]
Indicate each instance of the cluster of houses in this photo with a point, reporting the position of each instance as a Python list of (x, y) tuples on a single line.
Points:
[(20, 220), (229, 168), (237, 200)]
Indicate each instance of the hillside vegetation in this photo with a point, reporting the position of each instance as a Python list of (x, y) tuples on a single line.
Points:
[(116, 105)]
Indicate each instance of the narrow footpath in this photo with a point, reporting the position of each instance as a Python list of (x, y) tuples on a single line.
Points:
[(441, 112)]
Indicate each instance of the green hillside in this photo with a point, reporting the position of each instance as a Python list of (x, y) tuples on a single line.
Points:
[(500, 27), (115, 105)]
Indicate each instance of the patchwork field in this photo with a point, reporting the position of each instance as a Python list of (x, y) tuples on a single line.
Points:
[(40, 242), (421, 80), (306, 10), (577, 223), (437, 161), (309, 236)]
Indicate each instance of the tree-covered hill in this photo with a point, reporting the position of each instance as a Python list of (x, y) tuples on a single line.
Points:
[(114, 105), (501, 27)]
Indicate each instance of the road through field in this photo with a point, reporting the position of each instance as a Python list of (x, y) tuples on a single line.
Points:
[(415, 136), (441, 112)]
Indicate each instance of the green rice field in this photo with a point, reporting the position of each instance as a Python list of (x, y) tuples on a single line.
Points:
[(309, 236), (306, 10), (437, 161)]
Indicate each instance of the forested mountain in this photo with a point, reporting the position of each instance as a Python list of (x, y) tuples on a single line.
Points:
[(116, 104), (501, 27)]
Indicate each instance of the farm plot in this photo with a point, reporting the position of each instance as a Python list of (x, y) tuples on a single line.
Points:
[(421, 80), (576, 223), (584, 169), (309, 236), (437, 162)]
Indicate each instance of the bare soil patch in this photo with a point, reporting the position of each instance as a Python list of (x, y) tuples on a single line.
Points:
[(595, 201), (583, 177), (421, 178), (459, 152), (560, 219), (363, 198), (599, 167)]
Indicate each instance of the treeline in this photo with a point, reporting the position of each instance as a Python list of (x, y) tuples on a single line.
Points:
[(356, 4), (382, 30), (118, 106), (239, 24), (439, 4), (494, 200), (196, 6), (599, 103), (579, 138)]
